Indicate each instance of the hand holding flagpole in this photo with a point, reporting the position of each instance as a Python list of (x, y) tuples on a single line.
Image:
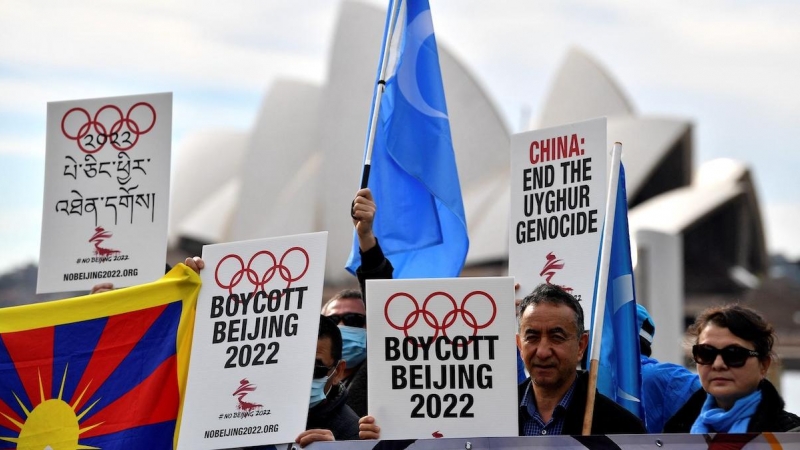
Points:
[(602, 286), (415, 181)]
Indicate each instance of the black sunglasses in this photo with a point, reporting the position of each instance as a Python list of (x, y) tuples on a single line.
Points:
[(732, 355), (349, 319), (321, 371)]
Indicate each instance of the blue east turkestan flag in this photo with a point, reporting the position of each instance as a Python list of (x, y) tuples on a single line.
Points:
[(620, 374), (420, 219)]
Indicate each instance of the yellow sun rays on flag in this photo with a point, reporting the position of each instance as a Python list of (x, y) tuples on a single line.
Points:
[(53, 424)]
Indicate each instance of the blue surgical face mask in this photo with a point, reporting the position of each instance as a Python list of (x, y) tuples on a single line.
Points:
[(354, 345), (318, 393)]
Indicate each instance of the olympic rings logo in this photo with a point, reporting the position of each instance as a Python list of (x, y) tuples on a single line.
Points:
[(431, 316), (262, 268), (108, 125)]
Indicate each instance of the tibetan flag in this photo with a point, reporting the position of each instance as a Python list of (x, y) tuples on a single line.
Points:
[(420, 221), (103, 371), (619, 374)]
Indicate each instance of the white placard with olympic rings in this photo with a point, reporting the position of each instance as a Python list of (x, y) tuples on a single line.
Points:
[(106, 192), (254, 342), (442, 357)]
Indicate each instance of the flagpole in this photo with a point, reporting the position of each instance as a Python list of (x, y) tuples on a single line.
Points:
[(380, 86), (602, 285)]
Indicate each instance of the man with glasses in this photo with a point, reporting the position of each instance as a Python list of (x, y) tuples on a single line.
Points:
[(347, 310), (329, 417)]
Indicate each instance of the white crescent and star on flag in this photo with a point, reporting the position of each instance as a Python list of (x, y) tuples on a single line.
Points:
[(405, 69)]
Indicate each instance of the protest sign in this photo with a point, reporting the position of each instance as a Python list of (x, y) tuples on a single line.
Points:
[(254, 343), (106, 192), (558, 195), (441, 357)]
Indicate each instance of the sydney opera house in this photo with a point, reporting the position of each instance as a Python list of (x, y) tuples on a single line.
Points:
[(697, 229)]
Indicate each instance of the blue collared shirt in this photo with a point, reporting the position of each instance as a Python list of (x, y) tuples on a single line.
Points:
[(533, 424)]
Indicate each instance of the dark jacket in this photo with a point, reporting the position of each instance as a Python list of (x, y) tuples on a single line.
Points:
[(374, 266), (334, 414), (357, 385), (608, 417), (769, 415)]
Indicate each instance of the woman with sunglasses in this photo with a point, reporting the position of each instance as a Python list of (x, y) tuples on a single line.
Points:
[(733, 351)]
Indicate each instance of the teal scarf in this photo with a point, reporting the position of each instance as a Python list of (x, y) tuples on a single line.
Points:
[(734, 420)]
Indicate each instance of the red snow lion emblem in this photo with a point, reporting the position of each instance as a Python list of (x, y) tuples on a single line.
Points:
[(245, 387), (100, 235), (550, 268)]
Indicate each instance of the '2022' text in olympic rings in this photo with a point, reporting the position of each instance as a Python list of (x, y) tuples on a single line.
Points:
[(260, 281), (447, 321), (120, 139)]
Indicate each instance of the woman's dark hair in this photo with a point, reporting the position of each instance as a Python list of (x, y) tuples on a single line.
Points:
[(743, 322)]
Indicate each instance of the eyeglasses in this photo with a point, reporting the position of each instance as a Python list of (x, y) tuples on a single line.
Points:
[(321, 371), (350, 319), (733, 355)]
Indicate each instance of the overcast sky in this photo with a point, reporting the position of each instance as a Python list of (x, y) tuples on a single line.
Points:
[(731, 67)]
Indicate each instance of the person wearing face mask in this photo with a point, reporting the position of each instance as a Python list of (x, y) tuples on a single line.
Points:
[(329, 417), (733, 351), (347, 310)]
